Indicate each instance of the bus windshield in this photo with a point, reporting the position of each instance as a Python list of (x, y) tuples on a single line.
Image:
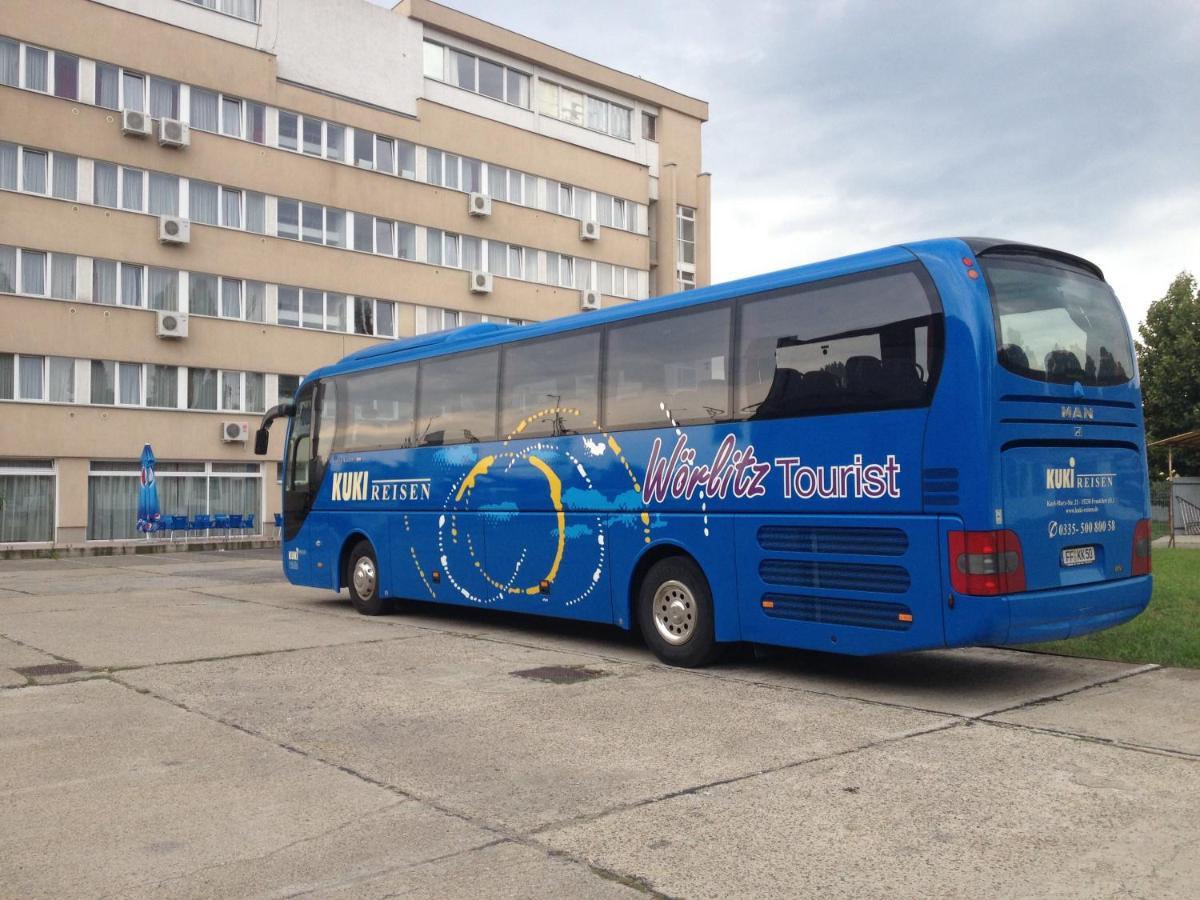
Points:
[(1057, 324)]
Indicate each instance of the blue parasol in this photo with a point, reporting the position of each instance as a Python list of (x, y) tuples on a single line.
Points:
[(148, 512)]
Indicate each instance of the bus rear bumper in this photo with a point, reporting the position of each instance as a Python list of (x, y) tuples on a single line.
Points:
[(1047, 615)]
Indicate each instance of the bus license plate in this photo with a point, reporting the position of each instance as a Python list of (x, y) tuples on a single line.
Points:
[(1078, 556)]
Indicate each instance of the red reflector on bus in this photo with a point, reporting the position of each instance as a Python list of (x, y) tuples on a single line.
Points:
[(986, 563), (968, 262), (905, 617), (972, 274), (1141, 549)]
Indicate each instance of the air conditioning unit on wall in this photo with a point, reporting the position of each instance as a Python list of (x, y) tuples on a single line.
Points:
[(172, 325), (174, 230), (589, 300), (235, 432), (479, 204), (589, 230), (173, 133), (481, 282), (134, 123)]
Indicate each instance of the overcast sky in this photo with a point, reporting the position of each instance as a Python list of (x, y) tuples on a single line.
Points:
[(844, 125)]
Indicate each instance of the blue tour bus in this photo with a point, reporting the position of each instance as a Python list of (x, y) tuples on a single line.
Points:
[(938, 444)]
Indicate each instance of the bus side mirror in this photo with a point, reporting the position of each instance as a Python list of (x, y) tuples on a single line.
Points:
[(262, 438)]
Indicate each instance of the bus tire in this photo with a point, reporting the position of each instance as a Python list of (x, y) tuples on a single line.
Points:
[(362, 577), (675, 612)]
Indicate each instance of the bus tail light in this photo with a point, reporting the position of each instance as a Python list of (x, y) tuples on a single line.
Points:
[(1141, 549), (986, 563)]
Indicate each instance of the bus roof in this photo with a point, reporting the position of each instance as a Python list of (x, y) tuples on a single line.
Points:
[(492, 334)]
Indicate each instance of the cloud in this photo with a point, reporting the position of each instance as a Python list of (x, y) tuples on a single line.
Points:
[(842, 125)]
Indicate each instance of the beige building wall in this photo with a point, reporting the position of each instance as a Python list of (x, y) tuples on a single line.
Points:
[(172, 40)]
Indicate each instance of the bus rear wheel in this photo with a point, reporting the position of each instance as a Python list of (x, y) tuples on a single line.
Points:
[(675, 613), (362, 577)]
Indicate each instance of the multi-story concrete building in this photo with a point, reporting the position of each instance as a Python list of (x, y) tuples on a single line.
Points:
[(201, 200)]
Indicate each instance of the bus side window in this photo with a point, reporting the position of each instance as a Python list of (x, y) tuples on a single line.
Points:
[(551, 386), (377, 409), (457, 399), (665, 369), (862, 342)]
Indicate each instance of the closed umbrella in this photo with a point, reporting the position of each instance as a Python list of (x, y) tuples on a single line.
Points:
[(148, 511)]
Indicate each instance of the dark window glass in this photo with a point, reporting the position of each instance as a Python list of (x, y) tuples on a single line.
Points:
[(256, 122), (377, 409), (668, 369), (312, 136), (458, 399), (364, 148), (551, 386), (867, 342), (288, 214), (1056, 323), (491, 79), (288, 385), (313, 223), (66, 76), (289, 128), (364, 232)]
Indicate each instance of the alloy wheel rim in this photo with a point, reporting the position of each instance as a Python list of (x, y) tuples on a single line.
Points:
[(675, 612)]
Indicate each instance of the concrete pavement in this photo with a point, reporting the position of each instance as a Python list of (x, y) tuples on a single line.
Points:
[(190, 725)]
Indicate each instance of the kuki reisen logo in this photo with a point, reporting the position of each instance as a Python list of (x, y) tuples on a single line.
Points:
[(358, 485)]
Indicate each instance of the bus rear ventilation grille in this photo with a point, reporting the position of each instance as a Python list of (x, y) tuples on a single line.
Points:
[(825, 539), (832, 611), (940, 487), (838, 575)]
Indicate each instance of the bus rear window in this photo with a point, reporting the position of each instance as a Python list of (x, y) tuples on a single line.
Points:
[(1057, 324)]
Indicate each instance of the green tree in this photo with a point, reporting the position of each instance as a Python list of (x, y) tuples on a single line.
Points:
[(1169, 360)]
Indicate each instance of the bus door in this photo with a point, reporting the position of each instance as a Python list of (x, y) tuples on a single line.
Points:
[(298, 490), (310, 547)]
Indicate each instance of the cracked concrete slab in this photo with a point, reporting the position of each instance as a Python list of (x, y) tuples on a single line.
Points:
[(441, 716), (970, 682), (974, 810), (14, 656), (1159, 709), (92, 809), (138, 633)]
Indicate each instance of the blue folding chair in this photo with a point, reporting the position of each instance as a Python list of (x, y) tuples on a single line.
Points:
[(201, 523), (278, 523), (222, 521), (176, 523), (236, 523), (248, 523)]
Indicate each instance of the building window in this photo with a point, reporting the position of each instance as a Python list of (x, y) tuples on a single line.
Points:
[(10, 62), (26, 500), (577, 108), (476, 74), (240, 9), (187, 489), (37, 67), (649, 126), (684, 280), (164, 98), (287, 387), (685, 233), (66, 76)]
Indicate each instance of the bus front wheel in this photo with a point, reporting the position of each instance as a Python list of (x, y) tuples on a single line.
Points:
[(362, 577), (675, 613)]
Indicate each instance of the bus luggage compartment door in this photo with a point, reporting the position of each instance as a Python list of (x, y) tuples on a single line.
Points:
[(846, 584)]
